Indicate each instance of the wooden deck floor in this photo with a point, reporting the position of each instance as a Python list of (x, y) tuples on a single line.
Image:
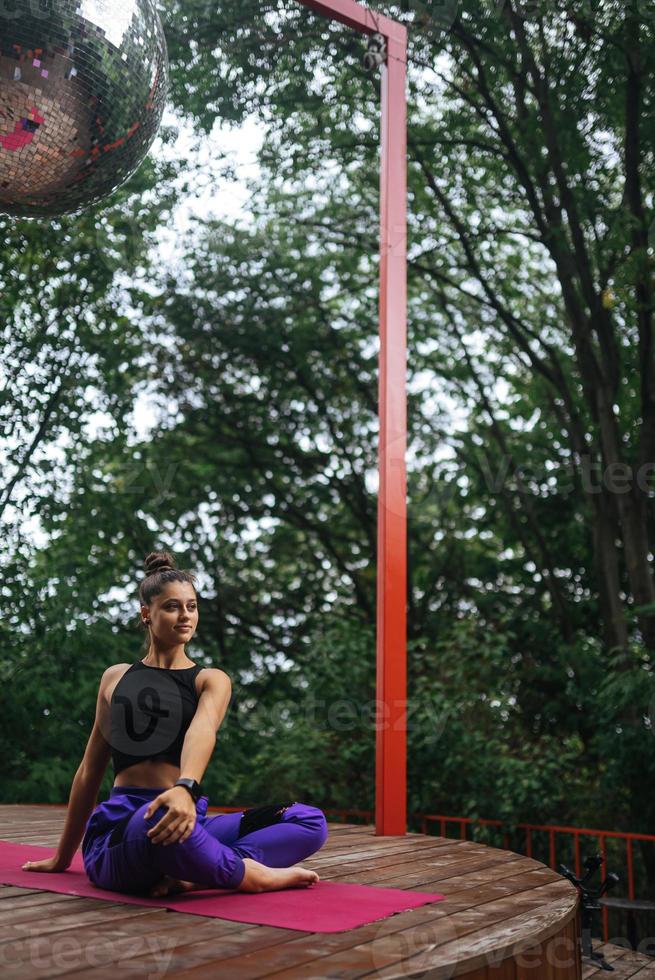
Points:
[(626, 963), (495, 901)]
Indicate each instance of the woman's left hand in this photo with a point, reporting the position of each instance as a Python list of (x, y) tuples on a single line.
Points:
[(178, 823)]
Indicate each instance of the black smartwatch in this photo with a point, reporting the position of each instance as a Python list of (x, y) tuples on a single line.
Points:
[(192, 785)]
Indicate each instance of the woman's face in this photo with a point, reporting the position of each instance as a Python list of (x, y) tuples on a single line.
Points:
[(173, 614)]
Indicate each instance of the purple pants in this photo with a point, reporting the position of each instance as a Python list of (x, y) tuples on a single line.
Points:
[(118, 854)]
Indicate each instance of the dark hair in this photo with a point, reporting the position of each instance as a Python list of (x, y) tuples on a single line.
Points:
[(160, 570)]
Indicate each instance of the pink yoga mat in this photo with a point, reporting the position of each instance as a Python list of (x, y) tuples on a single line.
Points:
[(324, 907)]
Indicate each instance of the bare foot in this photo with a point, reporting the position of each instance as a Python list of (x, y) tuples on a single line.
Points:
[(173, 886), (261, 878)]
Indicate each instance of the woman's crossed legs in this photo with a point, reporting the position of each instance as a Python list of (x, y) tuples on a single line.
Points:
[(213, 855)]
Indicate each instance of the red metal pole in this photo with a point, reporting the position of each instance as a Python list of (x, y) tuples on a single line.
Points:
[(603, 871), (631, 877), (391, 639), (391, 749)]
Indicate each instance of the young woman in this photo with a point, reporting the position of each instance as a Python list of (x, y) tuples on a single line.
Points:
[(157, 719)]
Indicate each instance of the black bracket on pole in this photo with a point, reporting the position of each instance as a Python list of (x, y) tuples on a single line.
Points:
[(377, 52)]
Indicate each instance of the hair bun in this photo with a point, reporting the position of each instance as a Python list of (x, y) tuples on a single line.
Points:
[(159, 561)]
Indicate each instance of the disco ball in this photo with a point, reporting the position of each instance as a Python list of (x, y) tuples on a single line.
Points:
[(82, 91)]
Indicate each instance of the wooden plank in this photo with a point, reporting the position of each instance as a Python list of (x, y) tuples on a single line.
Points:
[(366, 848), (8, 891), (394, 864), (53, 903), (343, 829), (91, 912), (403, 865), (326, 858), (35, 901), (471, 879)]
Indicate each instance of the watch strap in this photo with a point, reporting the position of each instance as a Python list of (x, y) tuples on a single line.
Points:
[(191, 785)]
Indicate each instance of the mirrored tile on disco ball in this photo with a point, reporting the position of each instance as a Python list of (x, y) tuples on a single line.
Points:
[(82, 90)]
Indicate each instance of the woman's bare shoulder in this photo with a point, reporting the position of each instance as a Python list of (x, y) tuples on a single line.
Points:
[(207, 674), (111, 677), (115, 669)]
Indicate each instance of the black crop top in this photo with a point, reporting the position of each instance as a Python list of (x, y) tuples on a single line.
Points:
[(150, 712)]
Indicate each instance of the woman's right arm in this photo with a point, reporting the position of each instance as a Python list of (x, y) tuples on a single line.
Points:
[(85, 787)]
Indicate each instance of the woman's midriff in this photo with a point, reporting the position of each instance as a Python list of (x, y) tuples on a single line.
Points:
[(149, 775)]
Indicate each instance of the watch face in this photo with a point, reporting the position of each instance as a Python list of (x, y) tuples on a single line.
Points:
[(191, 785)]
